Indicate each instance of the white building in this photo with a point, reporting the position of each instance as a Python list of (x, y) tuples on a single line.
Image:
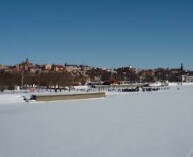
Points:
[(187, 78)]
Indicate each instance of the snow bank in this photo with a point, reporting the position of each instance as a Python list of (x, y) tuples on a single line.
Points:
[(173, 84), (156, 84), (179, 83), (187, 83), (10, 99)]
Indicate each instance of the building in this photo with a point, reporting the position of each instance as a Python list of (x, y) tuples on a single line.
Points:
[(72, 68), (47, 67), (187, 78), (24, 66), (2, 67), (58, 68)]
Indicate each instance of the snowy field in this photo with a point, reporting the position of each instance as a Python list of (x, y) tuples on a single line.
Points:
[(149, 124)]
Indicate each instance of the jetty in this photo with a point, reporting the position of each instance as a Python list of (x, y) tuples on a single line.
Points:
[(68, 96)]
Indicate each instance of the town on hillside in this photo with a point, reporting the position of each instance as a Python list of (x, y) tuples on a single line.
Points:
[(27, 74)]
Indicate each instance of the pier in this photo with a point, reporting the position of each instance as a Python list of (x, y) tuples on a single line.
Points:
[(68, 96)]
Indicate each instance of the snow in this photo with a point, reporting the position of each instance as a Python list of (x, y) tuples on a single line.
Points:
[(157, 84), (178, 84), (145, 124), (10, 99)]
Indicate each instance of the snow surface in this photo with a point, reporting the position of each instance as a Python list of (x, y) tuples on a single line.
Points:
[(149, 124), (10, 99)]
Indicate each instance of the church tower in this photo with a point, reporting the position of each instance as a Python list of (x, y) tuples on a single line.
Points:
[(182, 67)]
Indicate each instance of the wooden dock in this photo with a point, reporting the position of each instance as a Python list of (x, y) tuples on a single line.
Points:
[(68, 96)]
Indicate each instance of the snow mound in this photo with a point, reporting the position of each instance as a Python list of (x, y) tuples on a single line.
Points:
[(11, 99)]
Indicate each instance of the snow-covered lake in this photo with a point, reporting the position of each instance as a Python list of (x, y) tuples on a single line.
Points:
[(154, 124)]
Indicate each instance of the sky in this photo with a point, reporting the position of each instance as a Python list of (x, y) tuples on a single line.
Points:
[(102, 33)]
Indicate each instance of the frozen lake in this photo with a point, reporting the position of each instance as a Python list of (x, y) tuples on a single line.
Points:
[(154, 124)]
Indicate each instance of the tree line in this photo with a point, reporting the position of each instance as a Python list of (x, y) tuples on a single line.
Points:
[(8, 80)]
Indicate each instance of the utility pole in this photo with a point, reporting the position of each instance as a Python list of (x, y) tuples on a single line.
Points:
[(22, 78)]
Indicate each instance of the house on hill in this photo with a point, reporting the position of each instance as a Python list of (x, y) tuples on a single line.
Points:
[(24, 66), (72, 67), (58, 68)]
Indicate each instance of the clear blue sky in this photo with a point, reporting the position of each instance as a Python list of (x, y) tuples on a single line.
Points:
[(104, 33)]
